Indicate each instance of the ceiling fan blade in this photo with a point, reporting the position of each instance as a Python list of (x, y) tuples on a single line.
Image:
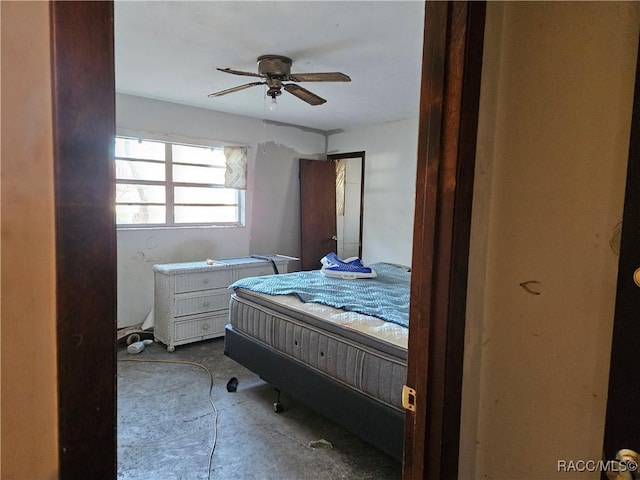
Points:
[(238, 72), (235, 89), (304, 94), (320, 77)]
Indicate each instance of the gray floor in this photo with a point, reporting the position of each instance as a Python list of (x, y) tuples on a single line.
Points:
[(166, 425)]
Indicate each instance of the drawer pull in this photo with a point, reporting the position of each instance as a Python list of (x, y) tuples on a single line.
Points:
[(205, 326), (205, 280), (205, 304)]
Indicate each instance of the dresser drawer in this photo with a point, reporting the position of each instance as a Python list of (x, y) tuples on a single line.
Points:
[(209, 302), (256, 271), (193, 282), (196, 328)]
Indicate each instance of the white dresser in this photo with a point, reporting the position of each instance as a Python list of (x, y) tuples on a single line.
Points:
[(192, 299)]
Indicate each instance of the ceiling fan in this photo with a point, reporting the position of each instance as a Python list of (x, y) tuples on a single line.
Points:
[(275, 69)]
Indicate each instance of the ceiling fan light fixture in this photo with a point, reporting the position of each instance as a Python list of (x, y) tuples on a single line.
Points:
[(274, 92)]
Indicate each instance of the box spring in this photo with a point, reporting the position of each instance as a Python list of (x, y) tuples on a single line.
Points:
[(352, 378)]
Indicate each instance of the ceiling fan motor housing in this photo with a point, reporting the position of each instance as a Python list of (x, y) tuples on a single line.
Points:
[(274, 65)]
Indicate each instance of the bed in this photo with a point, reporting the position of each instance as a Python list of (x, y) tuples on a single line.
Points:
[(339, 346)]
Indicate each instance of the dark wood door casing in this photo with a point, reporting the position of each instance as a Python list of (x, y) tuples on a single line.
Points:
[(317, 211), (83, 84), (452, 63)]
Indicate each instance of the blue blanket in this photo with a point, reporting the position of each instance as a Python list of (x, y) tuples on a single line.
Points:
[(385, 296)]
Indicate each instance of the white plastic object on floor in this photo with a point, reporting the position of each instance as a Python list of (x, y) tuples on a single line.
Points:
[(136, 347), (320, 443)]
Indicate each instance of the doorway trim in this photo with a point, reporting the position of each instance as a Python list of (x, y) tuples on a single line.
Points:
[(449, 104), (83, 99)]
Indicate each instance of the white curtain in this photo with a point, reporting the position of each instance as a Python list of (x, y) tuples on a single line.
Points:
[(236, 174)]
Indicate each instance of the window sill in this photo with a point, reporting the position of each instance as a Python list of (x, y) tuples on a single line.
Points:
[(121, 228)]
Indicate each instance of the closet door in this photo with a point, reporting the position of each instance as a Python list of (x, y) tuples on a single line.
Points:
[(317, 211)]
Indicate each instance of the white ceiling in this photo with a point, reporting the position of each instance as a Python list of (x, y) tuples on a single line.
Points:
[(170, 50)]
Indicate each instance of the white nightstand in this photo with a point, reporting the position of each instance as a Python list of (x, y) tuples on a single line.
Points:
[(192, 299)]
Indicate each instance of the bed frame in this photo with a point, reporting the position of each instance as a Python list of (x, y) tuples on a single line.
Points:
[(374, 422)]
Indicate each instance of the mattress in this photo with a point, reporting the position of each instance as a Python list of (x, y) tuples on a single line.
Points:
[(362, 352)]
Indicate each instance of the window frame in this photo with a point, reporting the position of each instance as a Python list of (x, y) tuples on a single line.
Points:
[(169, 185)]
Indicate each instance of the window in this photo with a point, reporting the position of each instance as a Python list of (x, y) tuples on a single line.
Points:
[(170, 184)]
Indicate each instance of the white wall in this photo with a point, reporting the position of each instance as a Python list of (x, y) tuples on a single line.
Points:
[(553, 140), (389, 186), (272, 198)]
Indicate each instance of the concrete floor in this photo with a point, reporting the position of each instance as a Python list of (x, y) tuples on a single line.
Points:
[(166, 425)]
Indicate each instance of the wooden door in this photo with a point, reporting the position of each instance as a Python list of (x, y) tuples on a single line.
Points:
[(317, 211), (622, 428)]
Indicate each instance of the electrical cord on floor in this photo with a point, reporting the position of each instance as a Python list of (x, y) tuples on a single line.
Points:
[(213, 405)]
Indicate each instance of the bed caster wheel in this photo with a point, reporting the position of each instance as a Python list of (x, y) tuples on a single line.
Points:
[(171, 349), (277, 406)]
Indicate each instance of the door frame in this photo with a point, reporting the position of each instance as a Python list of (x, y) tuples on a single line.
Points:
[(84, 125), (83, 102), (449, 104)]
